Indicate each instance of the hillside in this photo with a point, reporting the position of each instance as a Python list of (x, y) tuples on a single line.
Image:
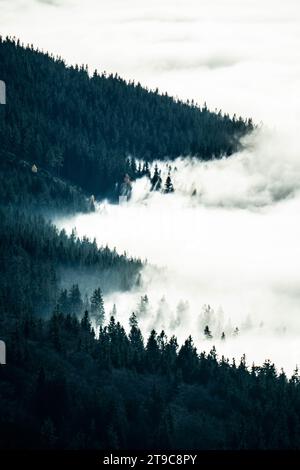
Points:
[(66, 389), (83, 127), (39, 191), (36, 259), (35, 255), (69, 385)]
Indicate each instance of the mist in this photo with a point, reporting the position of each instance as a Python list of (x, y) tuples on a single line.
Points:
[(242, 57), (228, 236), (222, 250)]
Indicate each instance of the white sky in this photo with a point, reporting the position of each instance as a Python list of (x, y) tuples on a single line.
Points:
[(241, 56)]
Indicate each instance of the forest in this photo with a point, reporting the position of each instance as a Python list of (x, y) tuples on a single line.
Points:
[(68, 388), (75, 377), (33, 253), (83, 126), (40, 192)]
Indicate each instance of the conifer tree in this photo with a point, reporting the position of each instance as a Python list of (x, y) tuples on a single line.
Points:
[(136, 342), (85, 322), (153, 352), (97, 307), (168, 185), (63, 301), (143, 306), (113, 313), (207, 332), (75, 299), (156, 180)]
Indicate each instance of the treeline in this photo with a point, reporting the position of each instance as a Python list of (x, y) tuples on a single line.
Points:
[(71, 301), (34, 253), (84, 127), (135, 170), (66, 387)]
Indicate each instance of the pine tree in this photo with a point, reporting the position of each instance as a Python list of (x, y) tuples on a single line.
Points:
[(168, 185), (146, 171), (143, 306), (133, 169), (136, 342), (75, 299), (113, 313), (85, 322), (133, 323), (156, 180), (86, 303), (56, 160), (187, 359), (152, 351), (207, 332), (97, 307), (63, 301)]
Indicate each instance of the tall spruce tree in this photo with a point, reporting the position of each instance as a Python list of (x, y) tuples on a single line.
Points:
[(207, 332), (97, 307), (75, 300), (156, 180), (168, 185)]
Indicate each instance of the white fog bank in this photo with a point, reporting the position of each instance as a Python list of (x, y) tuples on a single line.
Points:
[(228, 238)]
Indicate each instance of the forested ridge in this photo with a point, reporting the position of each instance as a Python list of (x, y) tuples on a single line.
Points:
[(34, 252), (40, 192), (83, 127), (66, 388), (35, 256)]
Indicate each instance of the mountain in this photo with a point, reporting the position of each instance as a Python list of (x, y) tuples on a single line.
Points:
[(83, 127), (65, 135), (37, 190)]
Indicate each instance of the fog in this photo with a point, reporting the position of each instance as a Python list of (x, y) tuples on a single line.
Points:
[(241, 56), (228, 236), (222, 250)]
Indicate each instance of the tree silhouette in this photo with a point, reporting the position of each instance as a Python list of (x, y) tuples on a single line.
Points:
[(97, 307)]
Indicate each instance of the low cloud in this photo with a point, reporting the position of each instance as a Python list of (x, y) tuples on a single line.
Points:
[(228, 238), (50, 2), (239, 56), (183, 63)]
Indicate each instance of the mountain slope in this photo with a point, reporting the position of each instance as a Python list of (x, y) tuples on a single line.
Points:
[(38, 191), (84, 127), (35, 255)]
